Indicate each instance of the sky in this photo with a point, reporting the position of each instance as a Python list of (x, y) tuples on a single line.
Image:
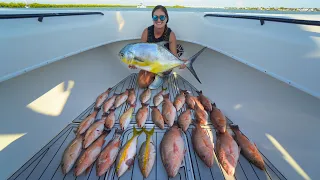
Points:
[(211, 3)]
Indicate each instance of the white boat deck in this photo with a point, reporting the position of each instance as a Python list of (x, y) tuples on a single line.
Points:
[(46, 163)]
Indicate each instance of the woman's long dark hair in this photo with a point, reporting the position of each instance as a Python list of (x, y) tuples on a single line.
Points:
[(164, 9)]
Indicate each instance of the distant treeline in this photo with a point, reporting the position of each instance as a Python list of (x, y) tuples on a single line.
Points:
[(275, 9), (37, 5)]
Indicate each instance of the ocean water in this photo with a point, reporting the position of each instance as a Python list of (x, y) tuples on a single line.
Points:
[(179, 9)]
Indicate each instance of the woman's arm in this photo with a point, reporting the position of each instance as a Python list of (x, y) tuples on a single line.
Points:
[(173, 47)]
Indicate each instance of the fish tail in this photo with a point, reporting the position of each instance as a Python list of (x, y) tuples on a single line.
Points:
[(190, 65), (234, 127), (133, 105), (164, 88), (136, 132), (144, 104), (148, 133), (214, 104), (199, 92), (166, 96)]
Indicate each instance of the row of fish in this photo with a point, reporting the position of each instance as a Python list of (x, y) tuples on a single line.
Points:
[(227, 148)]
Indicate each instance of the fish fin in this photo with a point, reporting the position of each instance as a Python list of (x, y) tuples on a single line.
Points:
[(157, 82), (162, 43), (148, 133), (96, 108), (136, 132), (138, 59), (130, 162), (190, 64), (144, 104), (164, 88), (132, 105), (234, 127), (88, 169), (199, 92), (214, 104), (166, 96)]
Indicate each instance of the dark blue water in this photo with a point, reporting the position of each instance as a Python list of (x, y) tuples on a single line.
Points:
[(181, 9)]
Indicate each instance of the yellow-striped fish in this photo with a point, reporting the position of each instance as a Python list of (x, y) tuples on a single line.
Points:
[(127, 153), (147, 154), (154, 57)]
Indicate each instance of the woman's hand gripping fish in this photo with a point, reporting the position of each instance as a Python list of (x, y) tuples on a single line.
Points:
[(155, 58), (126, 156)]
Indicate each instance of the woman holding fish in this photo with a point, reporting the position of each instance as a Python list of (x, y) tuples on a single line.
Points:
[(159, 32)]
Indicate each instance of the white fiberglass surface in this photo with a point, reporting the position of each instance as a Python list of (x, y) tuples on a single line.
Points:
[(280, 119)]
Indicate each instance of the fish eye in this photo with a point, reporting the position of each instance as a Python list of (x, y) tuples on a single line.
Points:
[(121, 54)]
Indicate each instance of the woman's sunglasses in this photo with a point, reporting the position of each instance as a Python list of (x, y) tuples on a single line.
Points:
[(161, 17)]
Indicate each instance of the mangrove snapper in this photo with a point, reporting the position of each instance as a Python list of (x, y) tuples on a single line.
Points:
[(248, 149), (184, 120), (86, 123), (142, 115), (110, 119), (157, 99), (94, 131), (109, 103), (203, 145), (132, 96), (218, 119), (172, 150), (204, 101), (90, 155), (121, 98), (71, 154), (179, 100), (227, 152), (101, 98), (145, 95), (168, 111), (157, 117), (109, 154)]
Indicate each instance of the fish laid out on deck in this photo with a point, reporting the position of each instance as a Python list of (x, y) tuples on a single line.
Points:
[(204, 101), (109, 154), (147, 154), (127, 154), (126, 117), (155, 58), (90, 155), (121, 98), (86, 123), (145, 96), (101, 98), (227, 151), (94, 131), (110, 119), (248, 149), (184, 120), (203, 145), (218, 119), (142, 115), (71, 154), (179, 100), (157, 99), (109, 103), (168, 111), (131, 97), (157, 117), (201, 115), (172, 150)]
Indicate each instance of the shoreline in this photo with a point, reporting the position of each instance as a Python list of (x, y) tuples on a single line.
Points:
[(39, 5)]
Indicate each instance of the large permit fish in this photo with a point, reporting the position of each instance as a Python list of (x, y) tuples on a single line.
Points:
[(125, 158), (155, 58), (147, 154), (248, 149)]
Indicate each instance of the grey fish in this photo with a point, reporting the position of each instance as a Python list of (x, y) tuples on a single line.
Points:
[(155, 58)]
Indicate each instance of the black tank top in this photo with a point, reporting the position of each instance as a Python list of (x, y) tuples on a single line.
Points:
[(165, 36)]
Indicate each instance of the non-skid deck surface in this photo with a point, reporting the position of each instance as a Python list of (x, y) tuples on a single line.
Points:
[(46, 163)]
